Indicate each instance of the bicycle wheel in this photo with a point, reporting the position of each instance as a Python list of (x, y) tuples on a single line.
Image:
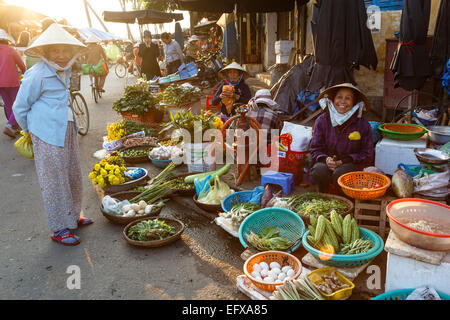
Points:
[(120, 70), (94, 94), (80, 109)]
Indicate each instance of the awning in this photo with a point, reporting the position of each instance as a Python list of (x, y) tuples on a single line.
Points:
[(141, 16), (243, 6)]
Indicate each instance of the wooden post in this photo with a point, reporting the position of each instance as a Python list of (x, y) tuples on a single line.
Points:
[(87, 13), (95, 14), (249, 36)]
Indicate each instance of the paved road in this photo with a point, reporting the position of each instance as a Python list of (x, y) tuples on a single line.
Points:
[(203, 265)]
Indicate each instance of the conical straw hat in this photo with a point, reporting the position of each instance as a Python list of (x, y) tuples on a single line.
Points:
[(54, 34), (331, 91), (92, 39), (233, 65), (5, 36)]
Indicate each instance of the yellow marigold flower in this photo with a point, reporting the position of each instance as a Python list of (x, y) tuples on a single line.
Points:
[(97, 167), (92, 175)]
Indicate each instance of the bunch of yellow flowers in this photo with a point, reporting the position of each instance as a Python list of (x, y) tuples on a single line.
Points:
[(105, 174), (217, 123), (116, 130)]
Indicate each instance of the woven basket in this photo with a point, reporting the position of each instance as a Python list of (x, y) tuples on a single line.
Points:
[(127, 195), (183, 192), (207, 207), (135, 160), (282, 258), (109, 189), (352, 182), (179, 228), (154, 116)]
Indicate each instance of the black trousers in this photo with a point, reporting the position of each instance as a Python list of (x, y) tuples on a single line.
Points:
[(322, 176)]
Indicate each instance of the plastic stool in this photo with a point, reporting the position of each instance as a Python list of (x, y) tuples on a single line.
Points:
[(283, 179)]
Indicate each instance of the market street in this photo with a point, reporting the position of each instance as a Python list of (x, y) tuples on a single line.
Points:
[(203, 265)]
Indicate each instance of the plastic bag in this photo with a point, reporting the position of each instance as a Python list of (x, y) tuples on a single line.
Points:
[(113, 206), (202, 185), (424, 293), (433, 185), (24, 145), (301, 136)]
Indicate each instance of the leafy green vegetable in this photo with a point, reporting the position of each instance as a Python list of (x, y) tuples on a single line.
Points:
[(311, 203), (136, 100), (268, 239), (151, 230), (177, 95)]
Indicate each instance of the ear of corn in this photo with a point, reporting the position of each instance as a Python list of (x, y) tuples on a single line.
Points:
[(347, 229)]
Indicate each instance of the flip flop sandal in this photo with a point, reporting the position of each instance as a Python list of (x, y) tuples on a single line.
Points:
[(85, 222), (67, 239)]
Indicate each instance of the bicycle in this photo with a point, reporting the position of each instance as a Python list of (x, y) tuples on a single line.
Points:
[(406, 116), (96, 94), (121, 67), (79, 105)]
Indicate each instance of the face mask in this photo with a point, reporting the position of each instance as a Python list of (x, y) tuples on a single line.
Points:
[(337, 118), (57, 67)]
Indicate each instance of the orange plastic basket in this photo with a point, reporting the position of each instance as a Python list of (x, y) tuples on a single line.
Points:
[(352, 184), (268, 257)]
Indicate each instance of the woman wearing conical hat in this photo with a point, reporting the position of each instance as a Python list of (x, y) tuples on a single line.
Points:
[(234, 76), (94, 54), (342, 139), (43, 109)]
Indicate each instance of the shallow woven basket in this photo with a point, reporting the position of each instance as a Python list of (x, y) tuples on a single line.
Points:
[(268, 257), (207, 207), (127, 195), (352, 182), (183, 192), (179, 228), (109, 189), (134, 160)]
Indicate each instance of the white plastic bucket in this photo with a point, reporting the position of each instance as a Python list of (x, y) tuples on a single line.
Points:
[(199, 158)]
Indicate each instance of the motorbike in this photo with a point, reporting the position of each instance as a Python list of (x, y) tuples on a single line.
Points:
[(208, 69)]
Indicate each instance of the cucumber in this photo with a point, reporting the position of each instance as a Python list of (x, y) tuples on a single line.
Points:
[(201, 176)]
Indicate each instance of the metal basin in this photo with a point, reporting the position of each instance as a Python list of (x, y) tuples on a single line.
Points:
[(410, 217), (432, 156), (439, 134)]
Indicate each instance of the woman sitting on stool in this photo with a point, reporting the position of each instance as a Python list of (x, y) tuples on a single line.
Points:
[(342, 138)]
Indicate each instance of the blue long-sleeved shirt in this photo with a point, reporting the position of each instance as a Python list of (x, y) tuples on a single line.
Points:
[(41, 104)]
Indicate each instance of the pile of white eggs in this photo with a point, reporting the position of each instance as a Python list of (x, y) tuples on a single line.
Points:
[(273, 272)]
